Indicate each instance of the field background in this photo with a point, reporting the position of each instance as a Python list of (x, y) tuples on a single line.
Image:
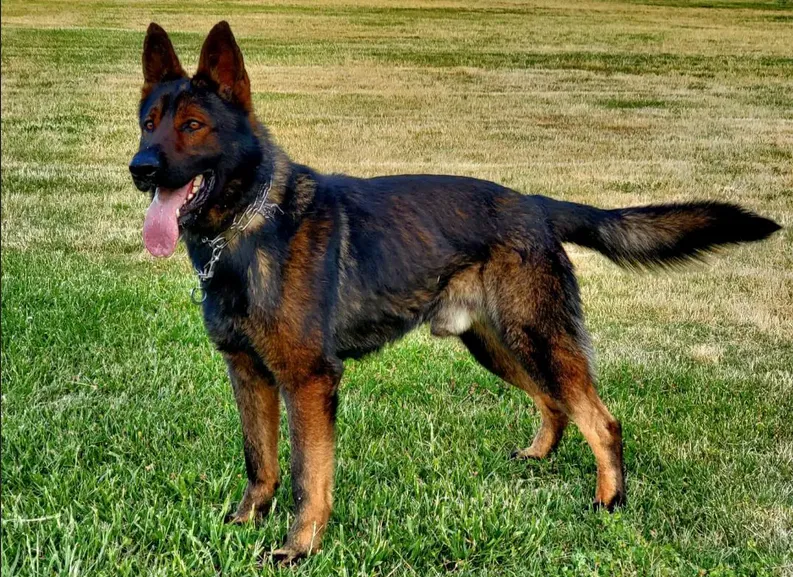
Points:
[(121, 449)]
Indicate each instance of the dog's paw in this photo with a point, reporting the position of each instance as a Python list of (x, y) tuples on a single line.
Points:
[(525, 455), (611, 505), (232, 518), (286, 556), (243, 515)]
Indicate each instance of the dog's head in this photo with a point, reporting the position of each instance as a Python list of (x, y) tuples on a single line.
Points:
[(197, 135)]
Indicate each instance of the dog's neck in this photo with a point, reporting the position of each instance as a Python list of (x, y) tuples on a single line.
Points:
[(254, 198), (290, 187), (269, 176), (274, 170)]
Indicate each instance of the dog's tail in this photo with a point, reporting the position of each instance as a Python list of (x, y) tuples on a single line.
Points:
[(656, 235)]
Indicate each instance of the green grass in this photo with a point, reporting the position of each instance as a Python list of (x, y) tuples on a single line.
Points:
[(121, 449)]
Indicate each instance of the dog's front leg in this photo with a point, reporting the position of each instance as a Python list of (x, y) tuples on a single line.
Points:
[(311, 406), (257, 399)]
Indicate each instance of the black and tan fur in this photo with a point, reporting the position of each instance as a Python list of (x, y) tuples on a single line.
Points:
[(347, 265)]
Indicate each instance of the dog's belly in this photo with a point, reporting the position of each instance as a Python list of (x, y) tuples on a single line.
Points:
[(451, 307), (366, 327)]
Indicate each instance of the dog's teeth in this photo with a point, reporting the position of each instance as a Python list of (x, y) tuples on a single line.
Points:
[(178, 212), (197, 181)]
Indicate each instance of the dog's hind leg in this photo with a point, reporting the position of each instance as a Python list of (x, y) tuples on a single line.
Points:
[(601, 430), (534, 302), (561, 367), (257, 400), (554, 422), (487, 348)]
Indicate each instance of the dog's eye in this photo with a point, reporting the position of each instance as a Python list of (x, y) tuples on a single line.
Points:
[(191, 126), (148, 126)]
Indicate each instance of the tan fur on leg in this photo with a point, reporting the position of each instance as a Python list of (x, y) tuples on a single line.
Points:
[(258, 403)]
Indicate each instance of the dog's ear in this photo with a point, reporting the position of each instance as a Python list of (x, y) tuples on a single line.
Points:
[(160, 62), (221, 62)]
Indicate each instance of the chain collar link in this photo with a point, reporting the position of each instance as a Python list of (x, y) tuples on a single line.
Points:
[(259, 206)]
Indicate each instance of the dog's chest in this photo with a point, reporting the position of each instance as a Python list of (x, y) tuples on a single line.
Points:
[(224, 312)]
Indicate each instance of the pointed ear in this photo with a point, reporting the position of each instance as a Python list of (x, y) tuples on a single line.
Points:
[(221, 61), (160, 62)]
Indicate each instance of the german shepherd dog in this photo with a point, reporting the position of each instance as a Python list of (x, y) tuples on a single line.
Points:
[(339, 266)]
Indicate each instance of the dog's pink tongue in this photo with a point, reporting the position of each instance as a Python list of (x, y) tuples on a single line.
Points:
[(160, 228)]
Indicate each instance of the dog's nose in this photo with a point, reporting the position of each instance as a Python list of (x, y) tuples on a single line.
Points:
[(145, 164)]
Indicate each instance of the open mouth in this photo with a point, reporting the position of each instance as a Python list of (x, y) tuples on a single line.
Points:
[(197, 195), (171, 208)]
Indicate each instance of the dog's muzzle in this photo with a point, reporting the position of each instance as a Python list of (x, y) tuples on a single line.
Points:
[(144, 168)]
